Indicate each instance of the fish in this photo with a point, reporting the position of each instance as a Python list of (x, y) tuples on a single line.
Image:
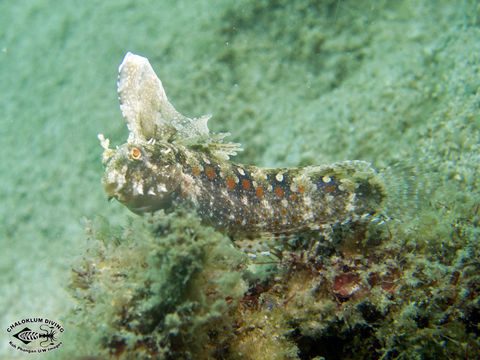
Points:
[(170, 160)]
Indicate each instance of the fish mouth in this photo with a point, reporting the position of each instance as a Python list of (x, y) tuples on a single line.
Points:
[(112, 184), (113, 180), (110, 189)]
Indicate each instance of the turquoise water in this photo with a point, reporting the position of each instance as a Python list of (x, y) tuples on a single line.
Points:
[(395, 83)]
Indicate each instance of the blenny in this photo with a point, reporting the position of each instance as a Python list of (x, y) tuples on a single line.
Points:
[(170, 159)]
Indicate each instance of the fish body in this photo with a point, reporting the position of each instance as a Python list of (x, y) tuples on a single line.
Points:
[(170, 159)]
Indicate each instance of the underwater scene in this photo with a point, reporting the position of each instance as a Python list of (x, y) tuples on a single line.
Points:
[(257, 179)]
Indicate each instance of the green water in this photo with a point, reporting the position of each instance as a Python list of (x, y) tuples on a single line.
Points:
[(296, 83)]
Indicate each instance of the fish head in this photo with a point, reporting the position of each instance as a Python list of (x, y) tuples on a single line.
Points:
[(142, 175)]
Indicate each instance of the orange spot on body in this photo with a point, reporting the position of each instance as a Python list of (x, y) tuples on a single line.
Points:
[(283, 211), (246, 184), (329, 188), (259, 192), (210, 172), (301, 189), (279, 191), (293, 197), (195, 171), (230, 183)]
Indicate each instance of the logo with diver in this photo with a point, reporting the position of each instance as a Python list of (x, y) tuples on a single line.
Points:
[(35, 335)]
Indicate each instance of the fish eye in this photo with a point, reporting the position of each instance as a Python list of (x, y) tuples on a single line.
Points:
[(135, 153)]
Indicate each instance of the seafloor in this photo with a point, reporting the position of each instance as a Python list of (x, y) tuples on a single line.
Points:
[(396, 83)]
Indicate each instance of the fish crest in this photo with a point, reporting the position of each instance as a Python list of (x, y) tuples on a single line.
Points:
[(149, 114)]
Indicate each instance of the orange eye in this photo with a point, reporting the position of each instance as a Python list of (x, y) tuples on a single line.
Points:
[(136, 154)]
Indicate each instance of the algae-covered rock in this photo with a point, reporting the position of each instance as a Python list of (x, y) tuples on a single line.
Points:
[(162, 287), (169, 287)]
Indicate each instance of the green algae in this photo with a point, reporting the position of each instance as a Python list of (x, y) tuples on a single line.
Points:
[(161, 286)]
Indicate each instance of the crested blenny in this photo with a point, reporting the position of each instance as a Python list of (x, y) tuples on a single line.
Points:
[(171, 159)]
